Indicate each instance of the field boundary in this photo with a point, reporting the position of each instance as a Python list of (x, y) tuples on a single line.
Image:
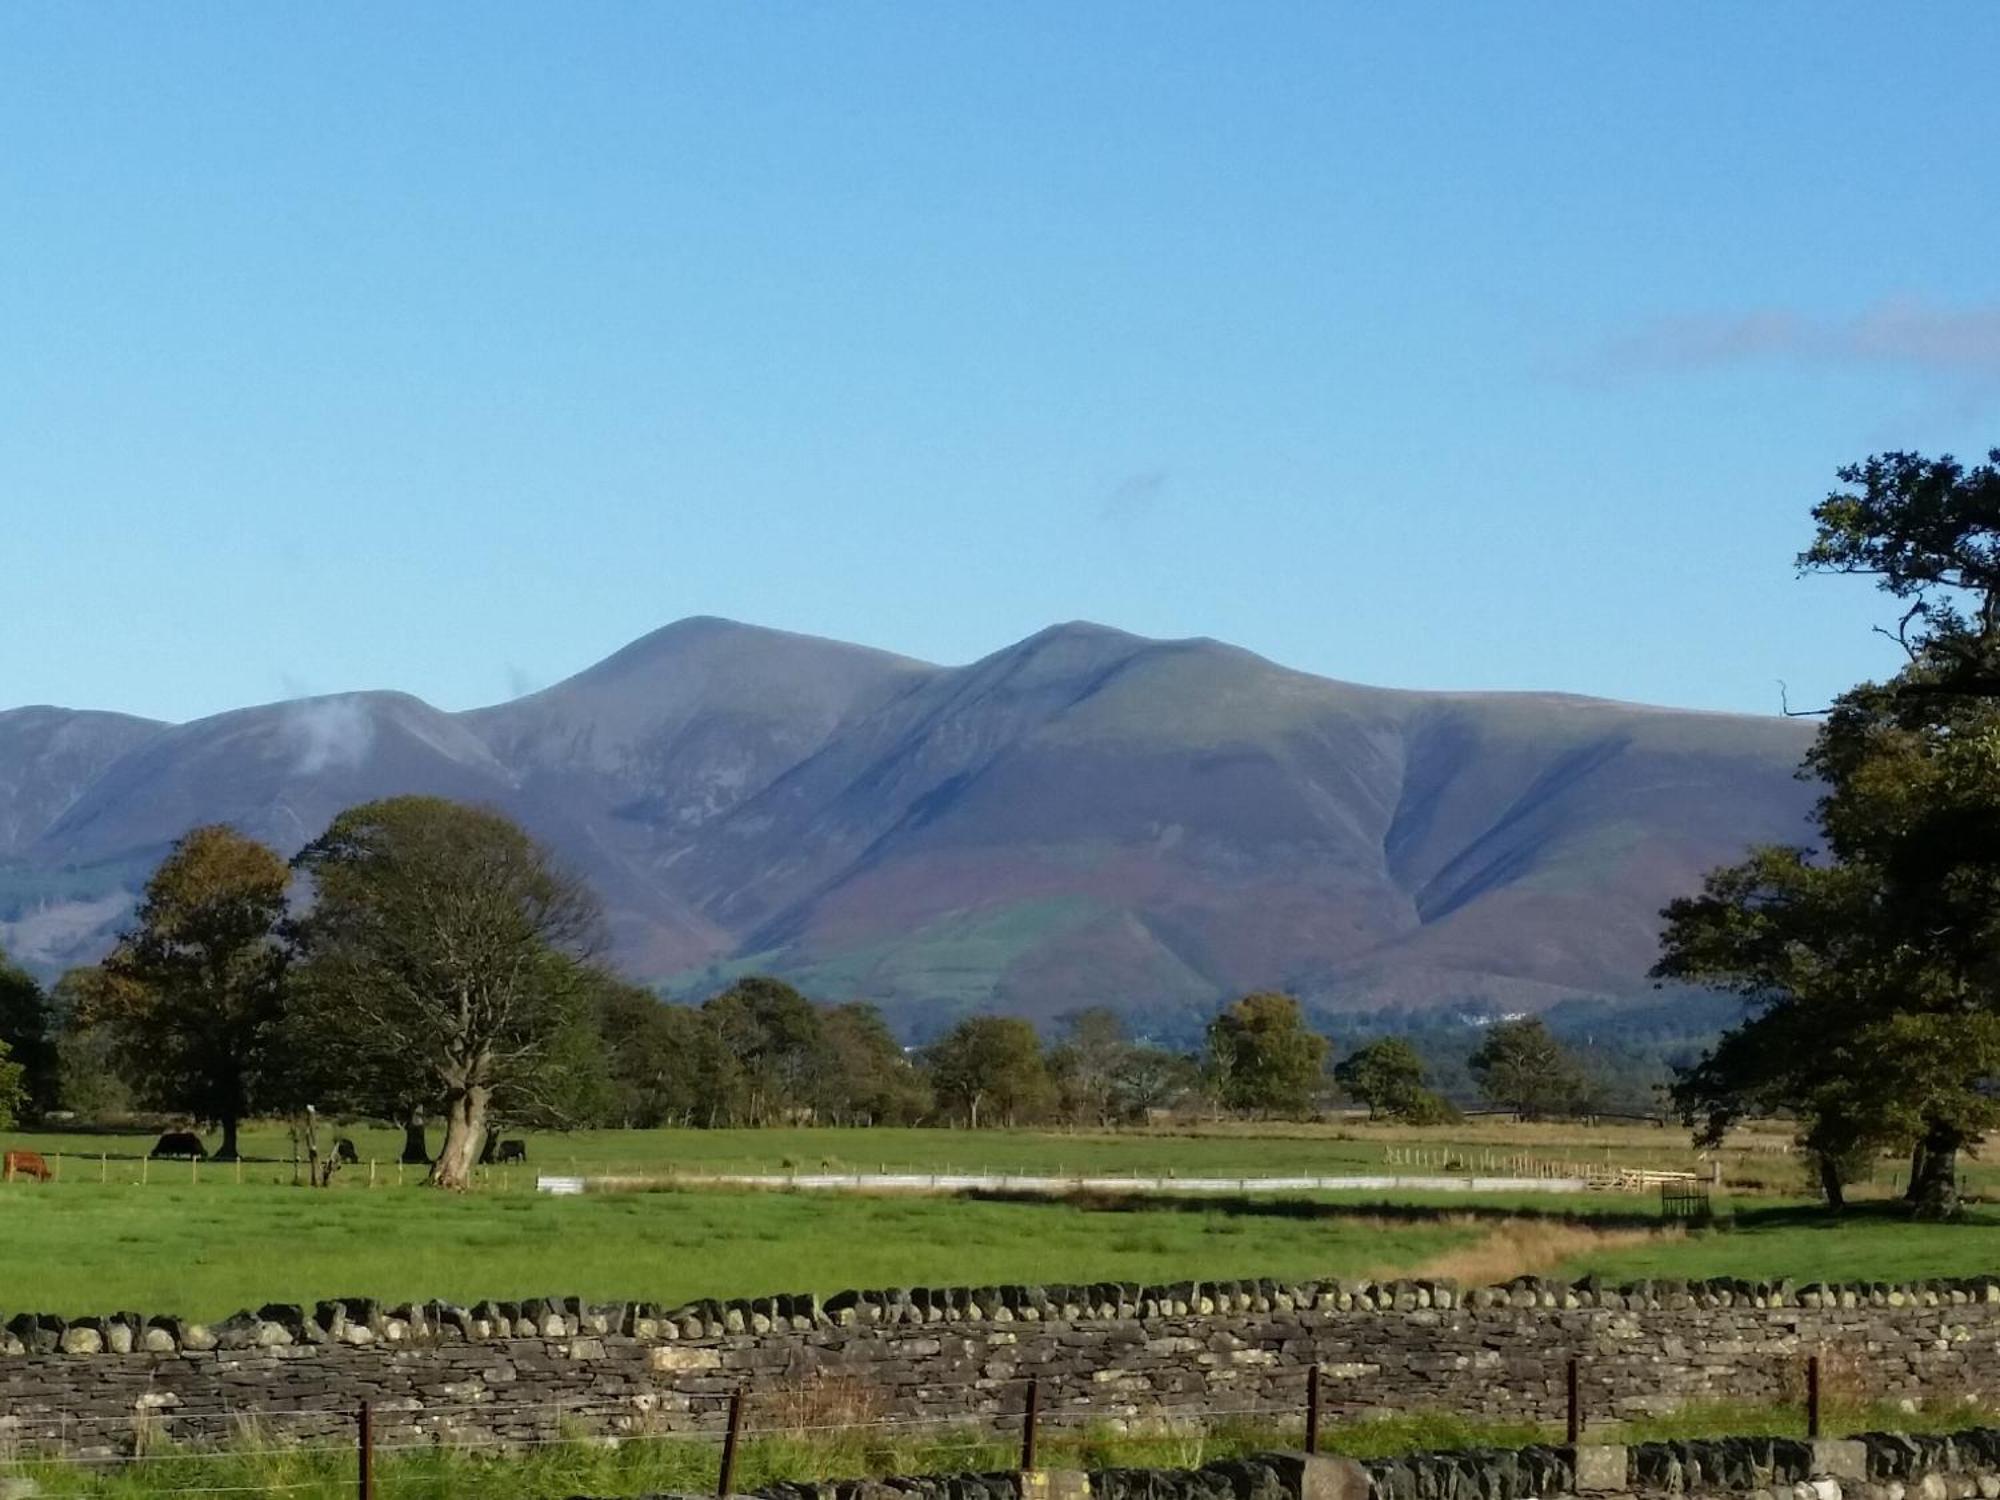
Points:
[(1024, 1182)]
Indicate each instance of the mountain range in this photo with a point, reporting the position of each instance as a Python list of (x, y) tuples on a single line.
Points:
[(1083, 817)]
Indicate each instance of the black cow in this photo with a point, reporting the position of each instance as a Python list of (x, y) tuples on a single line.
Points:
[(343, 1150), (512, 1151), (179, 1145)]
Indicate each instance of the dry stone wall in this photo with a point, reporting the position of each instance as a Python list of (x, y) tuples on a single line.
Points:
[(512, 1371)]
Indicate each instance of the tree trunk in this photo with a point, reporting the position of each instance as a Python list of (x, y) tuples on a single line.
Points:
[(1916, 1171), (1934, 1194), (415, 1154), (227, 1150), (464, 1136), (1830, 1184)]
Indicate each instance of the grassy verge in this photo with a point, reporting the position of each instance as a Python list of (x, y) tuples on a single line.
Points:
[(677, 1465), (1807, 1243)]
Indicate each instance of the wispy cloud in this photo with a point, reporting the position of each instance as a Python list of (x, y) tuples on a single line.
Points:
[(328, 734), (1134, 499), (1957, 344)]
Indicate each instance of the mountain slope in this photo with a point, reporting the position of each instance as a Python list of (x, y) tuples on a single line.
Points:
[(1085, 816), (49, 757)]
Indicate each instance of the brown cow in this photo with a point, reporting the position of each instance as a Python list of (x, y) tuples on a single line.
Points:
[(25, 1164)]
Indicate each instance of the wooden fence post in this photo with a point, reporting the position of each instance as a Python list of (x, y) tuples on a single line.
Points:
[(1312, 1410), (1812, 1396), (727, 1477), (366, 1457), (1030, 1416)]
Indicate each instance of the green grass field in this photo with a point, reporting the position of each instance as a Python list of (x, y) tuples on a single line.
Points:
[(76, 1248), (203, 1241), (79, 1247), (1809, 1244)]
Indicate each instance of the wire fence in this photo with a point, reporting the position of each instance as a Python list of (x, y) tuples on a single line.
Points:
[(334, 1450)]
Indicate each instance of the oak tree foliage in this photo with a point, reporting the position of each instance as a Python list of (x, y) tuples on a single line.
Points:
[(449, 950), (1872, 960)]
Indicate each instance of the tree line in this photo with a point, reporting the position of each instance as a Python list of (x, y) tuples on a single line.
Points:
[(427, 963)]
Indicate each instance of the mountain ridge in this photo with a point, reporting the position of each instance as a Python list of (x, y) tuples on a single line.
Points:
[(1084, 814)]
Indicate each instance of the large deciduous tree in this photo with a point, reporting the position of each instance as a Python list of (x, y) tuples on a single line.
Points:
[(1520, 1065), (868, 1078), (191, 995), (1087, 1063), (991, 1068), (659, 1057), (450, 949), (1385, 1075), (1262, 1056), (776, 1038), (1873, 963)]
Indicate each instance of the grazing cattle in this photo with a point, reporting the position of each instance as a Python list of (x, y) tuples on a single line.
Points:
[(25, 1164), (179, 1145), (343, 1150), (512, 1151)]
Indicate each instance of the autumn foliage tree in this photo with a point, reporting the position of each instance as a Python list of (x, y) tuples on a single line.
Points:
[(191, 995)]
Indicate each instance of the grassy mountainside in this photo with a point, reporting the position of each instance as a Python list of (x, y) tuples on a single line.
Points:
[(1085, 816)]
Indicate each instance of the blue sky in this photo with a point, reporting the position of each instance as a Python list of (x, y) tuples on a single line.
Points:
[(449, 347)]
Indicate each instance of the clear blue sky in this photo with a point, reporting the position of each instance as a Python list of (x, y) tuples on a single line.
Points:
[(449, 347)]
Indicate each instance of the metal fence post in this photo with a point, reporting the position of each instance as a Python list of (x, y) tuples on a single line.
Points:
[(366, 1425), (727, 1477), (1575, 1404), (1312, 1410), (1030, 1415), (1812, 1396)]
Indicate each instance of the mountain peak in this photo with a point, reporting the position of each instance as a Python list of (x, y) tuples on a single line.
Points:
[(710, 643)]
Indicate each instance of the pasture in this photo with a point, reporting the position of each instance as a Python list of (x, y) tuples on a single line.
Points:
[(204, 1240), (82, 1247)]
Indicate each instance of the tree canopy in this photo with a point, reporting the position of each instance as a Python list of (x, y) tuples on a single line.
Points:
[(991, 1066), (26, 1039), (192, 994), (1388, 1076), (1873, 961), (1263, 1057), (449, 948), (12, 1090), (1520, 1065)]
